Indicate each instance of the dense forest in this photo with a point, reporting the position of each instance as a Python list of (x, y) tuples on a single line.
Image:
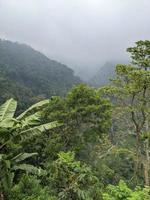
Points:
[(89, 144), (29, 76)]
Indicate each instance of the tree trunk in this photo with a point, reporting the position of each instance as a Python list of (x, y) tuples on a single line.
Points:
[(146, 174), (1, 196), (138, 153), (147, 164), (147, 160)]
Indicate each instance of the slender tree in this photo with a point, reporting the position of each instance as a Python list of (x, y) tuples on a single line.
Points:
[(132, 89)]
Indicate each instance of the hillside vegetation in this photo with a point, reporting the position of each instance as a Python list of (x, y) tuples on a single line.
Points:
[(28, 76), (91, 144)]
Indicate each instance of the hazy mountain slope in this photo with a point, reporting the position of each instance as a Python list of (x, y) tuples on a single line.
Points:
[(104, 74), (28, 75)]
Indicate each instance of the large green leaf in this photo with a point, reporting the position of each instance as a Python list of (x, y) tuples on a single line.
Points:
[(7, 110), (7, 123), (30, 169), (29, 133), (22, 156), (31, 120), (37, 106), (1, 156), (7, 180)]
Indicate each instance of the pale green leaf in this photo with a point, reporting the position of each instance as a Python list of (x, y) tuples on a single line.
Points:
[(31, 132), (30, 169), (22, 156), (37, 106), (31, 119), (7, 110), (7, 123)]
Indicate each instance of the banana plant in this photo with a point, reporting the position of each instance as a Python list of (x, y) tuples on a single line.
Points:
[(13, 132)]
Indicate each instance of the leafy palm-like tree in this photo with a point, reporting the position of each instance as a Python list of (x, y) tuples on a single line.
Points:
[(13, 132)]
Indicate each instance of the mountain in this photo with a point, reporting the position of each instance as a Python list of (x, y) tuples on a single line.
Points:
[(28, 75), (105, 73)]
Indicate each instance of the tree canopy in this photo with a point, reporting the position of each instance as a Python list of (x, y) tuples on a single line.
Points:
[(90, 144)]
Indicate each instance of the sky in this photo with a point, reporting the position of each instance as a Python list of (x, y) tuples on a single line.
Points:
[(84, 34)]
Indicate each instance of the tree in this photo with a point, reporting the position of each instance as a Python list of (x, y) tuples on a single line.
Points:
[(71, 179), (86, 118), (13, 132), (132, 89)]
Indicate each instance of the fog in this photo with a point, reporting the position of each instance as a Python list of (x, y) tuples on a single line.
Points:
[(84, 34)]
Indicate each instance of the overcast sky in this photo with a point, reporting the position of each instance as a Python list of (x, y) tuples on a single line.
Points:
[(80, 33)]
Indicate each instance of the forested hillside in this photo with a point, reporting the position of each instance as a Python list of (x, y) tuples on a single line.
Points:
[(91, 144), (28, 75)]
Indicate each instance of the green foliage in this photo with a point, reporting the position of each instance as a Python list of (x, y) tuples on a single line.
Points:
[(130, 93), (29, 188), (86, 118), (28, 76), (71, 179), (94, 145), (13, 133), (140, 54), (122, 192)]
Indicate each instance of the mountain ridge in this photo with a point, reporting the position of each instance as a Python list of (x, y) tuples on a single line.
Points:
[(105, 74), (25, 72)]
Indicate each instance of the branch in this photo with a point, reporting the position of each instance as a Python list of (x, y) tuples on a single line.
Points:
[(105, 154), (132, 112), (144, 104)]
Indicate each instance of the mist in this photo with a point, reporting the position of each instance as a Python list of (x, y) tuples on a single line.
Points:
[(83, 34)]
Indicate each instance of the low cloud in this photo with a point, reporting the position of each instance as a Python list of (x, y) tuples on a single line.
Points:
[(80, 33)]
